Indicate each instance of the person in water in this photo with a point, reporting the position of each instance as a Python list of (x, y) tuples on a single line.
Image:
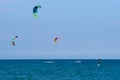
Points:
[(99, 62)]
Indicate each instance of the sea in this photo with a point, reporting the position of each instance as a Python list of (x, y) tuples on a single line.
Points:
[(59, 69)]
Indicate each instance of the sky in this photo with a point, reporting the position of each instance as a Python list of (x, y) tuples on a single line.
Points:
[(88, 29)]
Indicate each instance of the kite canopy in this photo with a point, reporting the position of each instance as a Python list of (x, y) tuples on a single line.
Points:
[(35, 9), (56, 39)]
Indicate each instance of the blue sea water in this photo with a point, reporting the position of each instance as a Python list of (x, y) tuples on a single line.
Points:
[(59, 70)]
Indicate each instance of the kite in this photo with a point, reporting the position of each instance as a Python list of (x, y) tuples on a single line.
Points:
[(56, 39), (13, 40), (35, 9)]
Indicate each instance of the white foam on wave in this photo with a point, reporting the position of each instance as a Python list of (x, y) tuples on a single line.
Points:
[(78, 61), (49, 62)]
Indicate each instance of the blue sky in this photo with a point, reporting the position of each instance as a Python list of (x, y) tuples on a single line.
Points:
[(88, 29)]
